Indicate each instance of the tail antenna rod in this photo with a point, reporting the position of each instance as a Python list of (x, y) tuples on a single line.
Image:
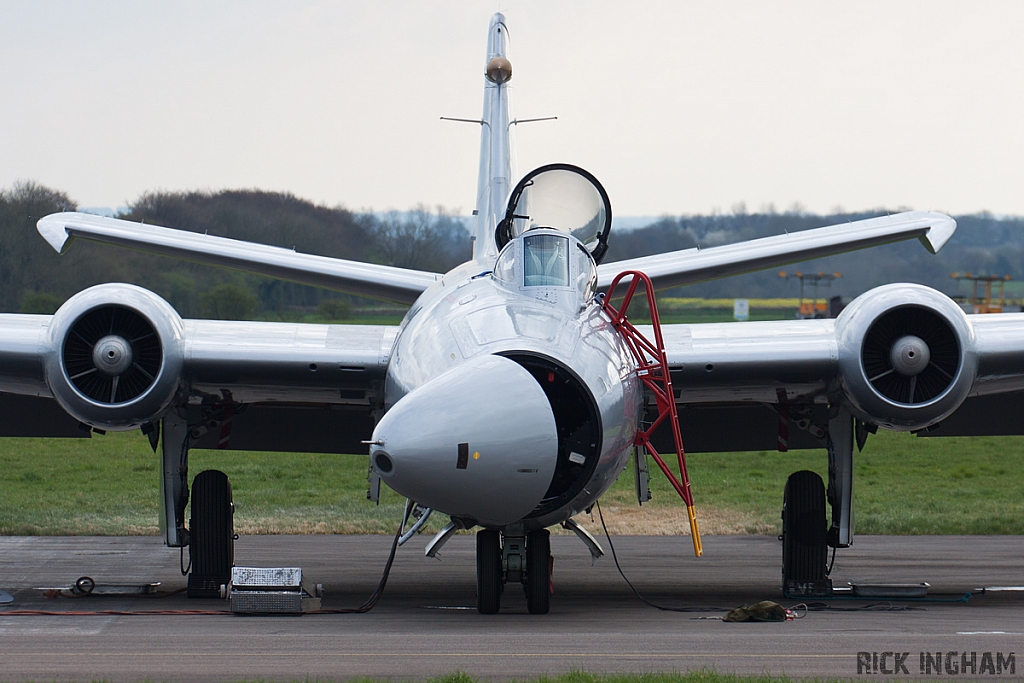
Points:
[(513, 122)]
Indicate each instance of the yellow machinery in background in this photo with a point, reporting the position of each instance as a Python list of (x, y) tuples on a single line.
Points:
[(983, 299), (813, 308)]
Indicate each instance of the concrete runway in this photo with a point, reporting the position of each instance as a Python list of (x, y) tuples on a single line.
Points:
[(425, 625)]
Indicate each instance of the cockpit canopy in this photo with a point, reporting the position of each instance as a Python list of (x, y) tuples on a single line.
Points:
[(562, 197), (545, 261), (550, 266)]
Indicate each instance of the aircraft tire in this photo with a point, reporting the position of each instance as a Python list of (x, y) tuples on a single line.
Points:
[(538, 571), (212, 539), (804, 536), (489, 584)]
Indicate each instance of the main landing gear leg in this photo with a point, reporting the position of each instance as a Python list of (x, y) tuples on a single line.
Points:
[(840, 479), (174, 482), (806, 534)]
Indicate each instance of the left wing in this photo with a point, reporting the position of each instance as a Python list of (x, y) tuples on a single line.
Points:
[(688, 266), (901, 357), (353, 277), (730, 378)]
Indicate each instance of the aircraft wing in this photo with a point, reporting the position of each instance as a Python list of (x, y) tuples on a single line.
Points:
[(729, 379), (353, 277), (304, 387), (774, 385), (688, 266)]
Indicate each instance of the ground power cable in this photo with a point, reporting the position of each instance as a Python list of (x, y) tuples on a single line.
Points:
[(379, 590), (615, 557), (362, 609)]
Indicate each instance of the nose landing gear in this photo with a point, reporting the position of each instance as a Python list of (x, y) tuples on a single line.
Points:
[(538, 574), (490, 582), (513, 556)]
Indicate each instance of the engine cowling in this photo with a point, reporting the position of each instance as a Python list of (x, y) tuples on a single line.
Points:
[(907, 356), (114, 356)]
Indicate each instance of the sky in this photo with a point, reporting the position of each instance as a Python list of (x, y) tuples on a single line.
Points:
[(677, 107)]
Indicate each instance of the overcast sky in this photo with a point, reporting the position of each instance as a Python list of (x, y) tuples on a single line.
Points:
[(677, 107)]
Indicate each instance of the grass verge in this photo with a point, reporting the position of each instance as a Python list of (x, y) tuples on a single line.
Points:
[(109, 485)]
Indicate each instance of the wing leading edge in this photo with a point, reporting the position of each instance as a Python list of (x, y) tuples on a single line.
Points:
[(353, 277), (689, 266)]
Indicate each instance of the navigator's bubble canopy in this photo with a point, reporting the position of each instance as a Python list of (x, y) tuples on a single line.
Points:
[(562, 197)]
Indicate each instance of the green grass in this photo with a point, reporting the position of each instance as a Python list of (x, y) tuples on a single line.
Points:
[(903, 485)]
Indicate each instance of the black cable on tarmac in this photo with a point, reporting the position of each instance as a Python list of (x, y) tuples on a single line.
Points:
[(379, 590), (641, 598), (362, 609)]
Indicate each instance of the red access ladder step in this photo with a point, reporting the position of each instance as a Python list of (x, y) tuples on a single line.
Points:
[(652, 369)]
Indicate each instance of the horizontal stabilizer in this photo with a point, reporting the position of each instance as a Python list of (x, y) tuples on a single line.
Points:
[(353, 277), (689, 266)]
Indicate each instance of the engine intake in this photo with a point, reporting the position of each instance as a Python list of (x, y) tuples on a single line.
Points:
[(115, 356), (906, 356)]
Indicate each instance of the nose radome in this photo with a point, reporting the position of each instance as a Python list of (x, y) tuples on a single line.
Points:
[(477, 442)]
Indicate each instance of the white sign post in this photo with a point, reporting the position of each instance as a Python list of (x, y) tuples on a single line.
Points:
[(741, 309)]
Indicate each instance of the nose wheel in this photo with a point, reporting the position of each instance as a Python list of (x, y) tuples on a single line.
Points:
[(501, 558), (489, 576), (538, 571)]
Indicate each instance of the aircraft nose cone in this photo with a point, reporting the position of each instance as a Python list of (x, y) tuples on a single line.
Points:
[(478, 442)]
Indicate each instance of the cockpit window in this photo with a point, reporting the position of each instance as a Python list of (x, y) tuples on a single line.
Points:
[(505, 267), (586, 274), (546, 261)]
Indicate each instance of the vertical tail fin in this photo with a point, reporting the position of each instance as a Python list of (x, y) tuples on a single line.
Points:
[(495, 142)]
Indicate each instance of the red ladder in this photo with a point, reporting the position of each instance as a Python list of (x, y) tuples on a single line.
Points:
[(652, 369)]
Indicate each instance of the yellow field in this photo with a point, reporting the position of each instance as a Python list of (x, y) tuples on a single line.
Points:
[(690, 302)]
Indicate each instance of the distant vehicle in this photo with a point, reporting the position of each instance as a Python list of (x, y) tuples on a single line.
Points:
[(506, 400), (987, 295), (826, 308)]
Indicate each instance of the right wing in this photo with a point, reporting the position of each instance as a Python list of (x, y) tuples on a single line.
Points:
[(353, 277), (688, 266)]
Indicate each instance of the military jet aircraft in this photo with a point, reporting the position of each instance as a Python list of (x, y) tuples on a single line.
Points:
[(508, 399)]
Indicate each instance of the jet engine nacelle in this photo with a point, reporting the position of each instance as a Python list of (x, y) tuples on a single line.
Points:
[(907, 356), (114, 356)]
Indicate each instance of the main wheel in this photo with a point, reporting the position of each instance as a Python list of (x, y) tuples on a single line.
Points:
[(212, 540), (804, 533), (538, 571), (489, 583)]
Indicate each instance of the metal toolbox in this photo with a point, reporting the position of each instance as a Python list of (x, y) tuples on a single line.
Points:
[(272, 590)]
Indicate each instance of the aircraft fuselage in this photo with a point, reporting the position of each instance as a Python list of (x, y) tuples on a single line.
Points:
[(573, 354)]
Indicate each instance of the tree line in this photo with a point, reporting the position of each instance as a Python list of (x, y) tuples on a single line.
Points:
[(35, 279)]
